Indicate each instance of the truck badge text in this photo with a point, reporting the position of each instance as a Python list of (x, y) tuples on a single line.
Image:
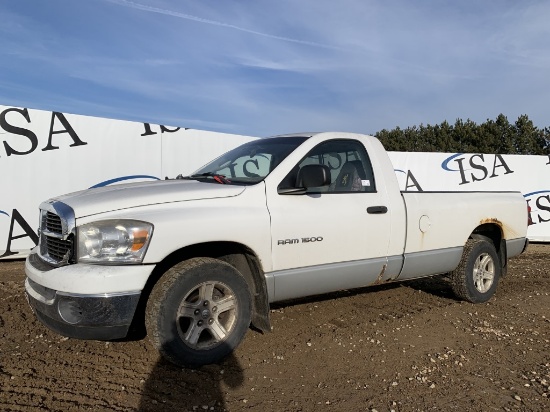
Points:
[(302, 240)]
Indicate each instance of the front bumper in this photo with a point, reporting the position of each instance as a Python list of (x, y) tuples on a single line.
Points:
[(97, 306), (101, 317)]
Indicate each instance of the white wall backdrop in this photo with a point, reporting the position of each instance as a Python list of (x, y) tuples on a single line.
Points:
[(481, 172), (44, 154)]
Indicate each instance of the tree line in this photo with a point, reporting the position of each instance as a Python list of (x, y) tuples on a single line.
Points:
[(494, 136)]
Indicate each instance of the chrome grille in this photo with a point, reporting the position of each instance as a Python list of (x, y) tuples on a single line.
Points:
[(57, 248), (52, 223), (56, 234)]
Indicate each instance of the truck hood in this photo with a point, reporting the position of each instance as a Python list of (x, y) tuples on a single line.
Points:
[(124, 196)]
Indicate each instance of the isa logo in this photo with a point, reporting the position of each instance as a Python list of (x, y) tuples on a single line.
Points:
[(407, 181), (540, 206), (476, 167), (17, 223)]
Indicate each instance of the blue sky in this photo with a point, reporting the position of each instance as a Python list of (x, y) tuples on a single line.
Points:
[(268, 67)]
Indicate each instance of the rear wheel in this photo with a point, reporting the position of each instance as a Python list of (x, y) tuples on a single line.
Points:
[(198, 312), (476, 277)]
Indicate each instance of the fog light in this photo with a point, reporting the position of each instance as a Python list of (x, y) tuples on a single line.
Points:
[(70, 311)]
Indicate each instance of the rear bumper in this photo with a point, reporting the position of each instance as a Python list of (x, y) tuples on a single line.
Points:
[(516, 247)]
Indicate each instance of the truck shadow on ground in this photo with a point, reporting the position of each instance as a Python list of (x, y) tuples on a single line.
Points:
[(439, 286), (172, 388)]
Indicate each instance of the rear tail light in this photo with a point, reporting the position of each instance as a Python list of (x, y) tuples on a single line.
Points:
[(529, 219)]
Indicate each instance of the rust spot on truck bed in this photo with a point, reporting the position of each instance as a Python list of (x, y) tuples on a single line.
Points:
[(507, 232), (491, 220)]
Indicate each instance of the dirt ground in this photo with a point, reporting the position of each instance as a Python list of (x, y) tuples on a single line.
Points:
[(401, 347)]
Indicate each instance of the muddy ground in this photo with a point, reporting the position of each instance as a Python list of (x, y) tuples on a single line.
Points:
[(400, 347)]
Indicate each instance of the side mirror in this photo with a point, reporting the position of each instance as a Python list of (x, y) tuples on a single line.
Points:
[(313, 176), (308, 176)]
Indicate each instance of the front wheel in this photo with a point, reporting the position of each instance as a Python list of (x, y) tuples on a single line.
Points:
[(476, 277), (198, 312)]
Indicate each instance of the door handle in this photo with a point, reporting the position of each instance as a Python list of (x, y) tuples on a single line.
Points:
[(377, 210)]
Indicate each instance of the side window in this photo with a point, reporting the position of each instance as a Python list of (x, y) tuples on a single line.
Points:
[(349, 165)]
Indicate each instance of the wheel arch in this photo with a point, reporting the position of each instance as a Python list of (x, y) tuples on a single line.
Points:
[(237, 255), (494, 233)]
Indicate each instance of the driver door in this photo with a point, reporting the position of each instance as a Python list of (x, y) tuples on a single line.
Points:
[(333, 237)]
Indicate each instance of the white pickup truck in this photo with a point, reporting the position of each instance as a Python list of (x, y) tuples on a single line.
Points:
[(199, 258)]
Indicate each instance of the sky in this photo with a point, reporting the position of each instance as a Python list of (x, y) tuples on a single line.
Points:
[(260, 68)]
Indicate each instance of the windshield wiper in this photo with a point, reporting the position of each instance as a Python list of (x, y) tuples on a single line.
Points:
[(216, 176)]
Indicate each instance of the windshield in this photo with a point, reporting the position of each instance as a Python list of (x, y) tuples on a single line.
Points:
[(251, 162)]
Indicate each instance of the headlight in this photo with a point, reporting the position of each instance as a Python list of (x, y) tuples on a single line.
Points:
[(113, 241)]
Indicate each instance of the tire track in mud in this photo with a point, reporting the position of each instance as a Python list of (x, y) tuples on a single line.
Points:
[(88, 379), (41, 370)]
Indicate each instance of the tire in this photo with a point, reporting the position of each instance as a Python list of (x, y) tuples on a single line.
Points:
[(476, 277), (198, 312)]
